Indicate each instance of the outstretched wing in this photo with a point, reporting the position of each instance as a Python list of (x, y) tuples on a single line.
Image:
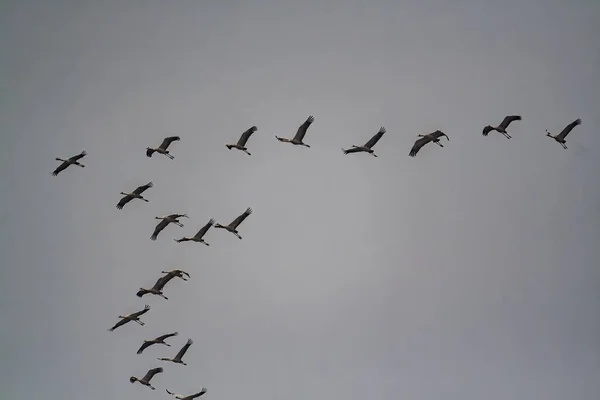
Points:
[(204, 229), (246, 135), (60, 168), (200, 393), (568, 129), (167, 141), (123, 201), (507, 120), (486, 131), (118, 324), (144, 346), (373, 141), (139, 313), (418, 144), (142, 189), (149, 152), (168, 335), (437, 134), (352, 150), (185, 348), (161, 282), (236, 222), (78, 156), (151, 373), (302, 129), (161, 225)]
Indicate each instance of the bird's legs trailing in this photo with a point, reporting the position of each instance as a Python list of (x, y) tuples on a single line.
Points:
[(80, 165), (139, 322), (506, 135), (247, 152), (237, 234), (204, 243)]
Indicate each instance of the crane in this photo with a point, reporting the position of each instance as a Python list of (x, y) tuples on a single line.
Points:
[(131, 317), (156, 289), (430, 137), (179, 356), (367, 147), (166, 220), (198, 236), (162, 149), (69, 161), (158, 340), (177, 273), (136, 194), (188, 397), (232, 227), (560, 138), (146, 379), (241, 143), (297, 139), (502, 127)]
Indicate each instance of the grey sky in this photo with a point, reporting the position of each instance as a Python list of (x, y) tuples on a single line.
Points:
[(468, 272)]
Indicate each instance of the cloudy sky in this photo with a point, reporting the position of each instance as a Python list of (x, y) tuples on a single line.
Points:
[(468, 272)]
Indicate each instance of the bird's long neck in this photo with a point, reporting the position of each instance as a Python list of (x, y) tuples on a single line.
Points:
[(60, 159)]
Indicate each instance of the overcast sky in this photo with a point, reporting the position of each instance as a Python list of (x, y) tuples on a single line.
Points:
[(467, 272)]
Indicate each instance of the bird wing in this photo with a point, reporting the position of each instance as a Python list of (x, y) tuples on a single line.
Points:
[(118, 324), (246, 135), (142, 189), (167, 141), (123, 201), (78, 156), (60, 168), (149, 152), (160, 283), (161, 225), (373, 141), (486, 130), (204, 229), (168, 335), (352, 150), (437, 134), (507, 120), (138, 313), (144, 346), (151, 373), (185, 348), (568, 129), (418, 144), (236, 222), (302, 129), (200, 393)]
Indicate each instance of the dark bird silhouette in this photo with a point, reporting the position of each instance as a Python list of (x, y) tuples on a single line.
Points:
[(136, 194), (297, 140), (166, 220), (188, 397), (176, 273), (69, 161), (162, 149), (431, 137), (146, 379), (156, 289), (232, 227), (560, 138), (502, 127), (158, 340), (241, 144), (198, 237), (367, 147), (131, 317), (179, 356)]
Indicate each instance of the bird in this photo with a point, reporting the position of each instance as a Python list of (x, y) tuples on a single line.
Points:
[(179, 356), (502, 127), (131, 317), (198, 236), (560, 138), (431, 137), (188, 397), (146, 379), (177, 273), (367, 147), (158, 340), (69, 161), (297, 140), (241, 143), (156, 289), (232, 227), (162, 149), (136, 194), (166, 220)]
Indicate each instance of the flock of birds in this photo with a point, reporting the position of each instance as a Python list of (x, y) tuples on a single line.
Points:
[(232, 227)]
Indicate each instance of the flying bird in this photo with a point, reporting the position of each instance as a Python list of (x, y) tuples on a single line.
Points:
[(131, 317), (232, 227), (179, 356), (69, 161), (198, 236), (136, 194), (188, 397), (297, 140), (156, 289), (177, 273), (146, 379), (431, 137), (166, 220), (241, 144), (162, 149), (502, 127), (560, 138), (158, 340), (367, 147)]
